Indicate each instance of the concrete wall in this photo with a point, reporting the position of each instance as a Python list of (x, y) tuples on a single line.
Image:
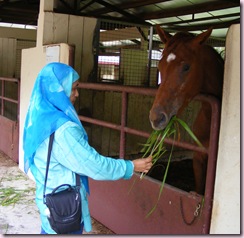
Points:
[(74, 30), (12, 40), (18, 33), (226, 208), (32, 61)]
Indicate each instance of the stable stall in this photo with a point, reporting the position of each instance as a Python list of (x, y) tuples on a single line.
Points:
[(115, 99)]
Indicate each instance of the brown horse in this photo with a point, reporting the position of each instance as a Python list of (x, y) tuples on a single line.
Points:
[(188, 67)]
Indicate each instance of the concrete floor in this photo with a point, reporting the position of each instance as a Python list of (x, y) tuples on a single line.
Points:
[(18, 211)]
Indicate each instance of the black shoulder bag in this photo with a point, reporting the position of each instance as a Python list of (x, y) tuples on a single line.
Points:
[(64, 203)]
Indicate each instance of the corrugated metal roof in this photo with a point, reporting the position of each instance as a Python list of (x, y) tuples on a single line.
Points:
[(174, 15)]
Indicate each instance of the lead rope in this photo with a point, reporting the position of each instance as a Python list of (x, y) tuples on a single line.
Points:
[(196, 213)]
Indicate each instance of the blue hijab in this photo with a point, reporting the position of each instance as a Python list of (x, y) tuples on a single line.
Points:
[(50, 107)]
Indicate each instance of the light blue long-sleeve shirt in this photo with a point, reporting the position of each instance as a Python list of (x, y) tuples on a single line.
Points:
[(72, 154)]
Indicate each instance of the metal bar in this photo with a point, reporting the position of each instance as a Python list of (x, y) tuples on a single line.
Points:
[(123, 124), (132, 131), (100, 123), (150, 55), (118, 88), (2, 100), (87, 5), (18, 102), (9, 100), (9, 79), (212, 160), (128, 15)]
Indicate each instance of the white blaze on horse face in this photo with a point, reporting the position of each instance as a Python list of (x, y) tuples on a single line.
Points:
[(171, 57)]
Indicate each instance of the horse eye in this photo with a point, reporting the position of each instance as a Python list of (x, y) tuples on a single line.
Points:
[(185, 67)]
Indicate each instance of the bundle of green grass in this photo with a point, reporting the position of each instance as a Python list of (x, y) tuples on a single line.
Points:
[(156, 148)]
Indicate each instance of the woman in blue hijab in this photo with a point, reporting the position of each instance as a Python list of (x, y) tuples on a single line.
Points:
[(51, 110)]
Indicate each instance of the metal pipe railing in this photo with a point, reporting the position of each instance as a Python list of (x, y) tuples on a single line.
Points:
[(212, 158), (4, 98), (213, 143), (125, 90)]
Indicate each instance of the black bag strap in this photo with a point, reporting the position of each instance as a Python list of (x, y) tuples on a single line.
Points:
[(47, 167)]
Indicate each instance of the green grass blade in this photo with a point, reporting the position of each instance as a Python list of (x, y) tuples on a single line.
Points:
[(162, 184), (187, 128), (155, 146)]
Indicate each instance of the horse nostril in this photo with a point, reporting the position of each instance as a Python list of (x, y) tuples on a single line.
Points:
[(158, 119), (163, 117)]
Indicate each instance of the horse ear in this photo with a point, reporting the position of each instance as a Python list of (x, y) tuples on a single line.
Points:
[(201, 38), (164, 36)]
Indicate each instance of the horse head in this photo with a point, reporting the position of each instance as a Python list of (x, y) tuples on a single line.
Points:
[(181, 71)]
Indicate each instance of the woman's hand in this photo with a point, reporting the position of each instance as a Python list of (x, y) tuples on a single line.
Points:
[(143, 164)]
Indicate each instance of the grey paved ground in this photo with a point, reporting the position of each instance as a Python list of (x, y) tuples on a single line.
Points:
[(18, 211)]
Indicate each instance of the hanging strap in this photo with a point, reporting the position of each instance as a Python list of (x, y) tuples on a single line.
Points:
[(48, 162)]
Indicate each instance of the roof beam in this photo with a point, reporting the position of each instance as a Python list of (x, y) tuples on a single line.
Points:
[(119, 10), (127, 5)]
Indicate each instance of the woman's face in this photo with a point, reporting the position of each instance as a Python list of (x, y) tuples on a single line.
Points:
[(74, 92)]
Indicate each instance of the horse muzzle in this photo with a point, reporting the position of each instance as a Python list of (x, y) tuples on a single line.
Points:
[(158, 118)]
